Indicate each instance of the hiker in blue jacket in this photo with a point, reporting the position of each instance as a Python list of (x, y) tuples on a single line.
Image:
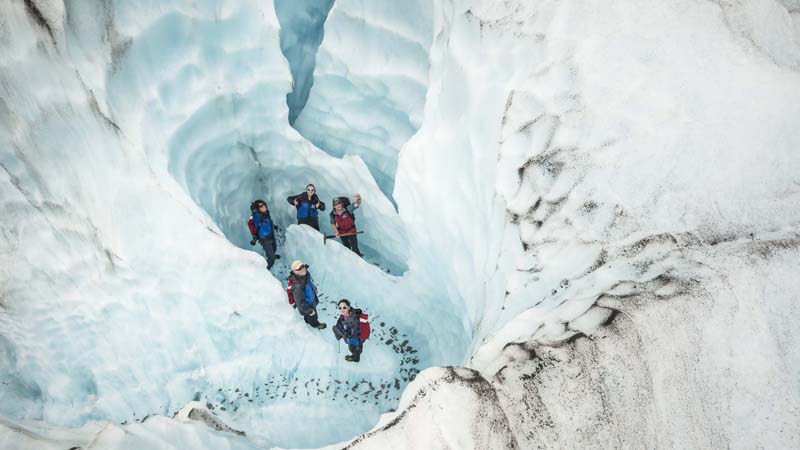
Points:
[(349, 328), (305, 294), (308, 206), (264, 230)]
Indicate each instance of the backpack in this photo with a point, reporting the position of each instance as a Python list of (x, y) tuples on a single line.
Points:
[(250, 223), (252, 226), (289, 291), (364, 329)]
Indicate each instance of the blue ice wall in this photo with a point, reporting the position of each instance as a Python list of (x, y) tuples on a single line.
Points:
[(370, 82), (301, 33)]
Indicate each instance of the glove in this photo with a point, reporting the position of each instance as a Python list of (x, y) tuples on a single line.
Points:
[(253, 242)]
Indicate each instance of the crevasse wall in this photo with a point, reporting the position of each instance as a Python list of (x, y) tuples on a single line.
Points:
[(121, 117), (89, 219), (370, 82), (644, 156), (301, 33), (180, 112)]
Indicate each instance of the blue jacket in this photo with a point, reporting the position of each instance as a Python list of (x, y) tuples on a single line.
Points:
[(306, 208), (304, 293), (263, 225)]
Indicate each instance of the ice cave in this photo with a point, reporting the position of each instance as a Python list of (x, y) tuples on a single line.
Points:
[(581, 223)]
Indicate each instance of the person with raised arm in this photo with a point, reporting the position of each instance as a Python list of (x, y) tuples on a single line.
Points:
[(343, 221)]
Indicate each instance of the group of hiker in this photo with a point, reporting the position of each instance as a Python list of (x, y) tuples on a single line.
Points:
[(342, 218), (308, 205), (352, 325)]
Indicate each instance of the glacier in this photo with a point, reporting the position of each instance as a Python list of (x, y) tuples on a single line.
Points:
[(301, 34), (581, 223)]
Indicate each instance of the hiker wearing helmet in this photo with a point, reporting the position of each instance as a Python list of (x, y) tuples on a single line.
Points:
[(307, 205), (305, 294), (262, 230), (343, 221), (349, 328)]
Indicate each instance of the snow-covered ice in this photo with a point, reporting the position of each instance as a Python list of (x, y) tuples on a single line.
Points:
[(581, 223)]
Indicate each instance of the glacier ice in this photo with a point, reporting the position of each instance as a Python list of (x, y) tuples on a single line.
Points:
[(167, 153), (596, 213), (645, 163), (182, 130), (370, 82), (301, 33)]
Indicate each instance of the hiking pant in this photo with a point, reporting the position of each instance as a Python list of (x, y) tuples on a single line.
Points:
[(351, 242), (313, 222), (269, 249), (356, 350), (312, 320)]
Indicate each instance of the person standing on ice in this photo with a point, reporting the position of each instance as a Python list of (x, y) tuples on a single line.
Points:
[(349, 328), (343, 221), (305, 294), (307, 205), (263, 230)]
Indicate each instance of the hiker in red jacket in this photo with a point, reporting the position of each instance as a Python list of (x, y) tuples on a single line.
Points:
[(343, 221)]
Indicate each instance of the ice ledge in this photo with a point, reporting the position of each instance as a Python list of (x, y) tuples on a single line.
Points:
[(194, 423)]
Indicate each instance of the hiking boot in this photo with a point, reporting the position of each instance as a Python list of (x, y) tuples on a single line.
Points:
[(322, 326), (350, 358)]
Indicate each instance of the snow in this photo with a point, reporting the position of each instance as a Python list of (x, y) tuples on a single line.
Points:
[(592, 207)]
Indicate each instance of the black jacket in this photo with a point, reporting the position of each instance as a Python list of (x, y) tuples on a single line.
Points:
[(299, 293), (350, 327)]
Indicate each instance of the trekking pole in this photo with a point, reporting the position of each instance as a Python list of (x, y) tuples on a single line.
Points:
[(333, 236)]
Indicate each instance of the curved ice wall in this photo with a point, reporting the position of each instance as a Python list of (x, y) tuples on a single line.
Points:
[(301, 33), (370, 81), (639, 292), (134, 138)]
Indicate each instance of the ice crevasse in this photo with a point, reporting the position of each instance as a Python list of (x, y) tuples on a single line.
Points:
[(594, 241)]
